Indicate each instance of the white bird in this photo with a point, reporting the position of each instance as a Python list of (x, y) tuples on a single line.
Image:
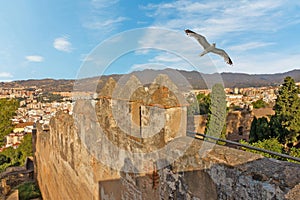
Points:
[(208, 47)]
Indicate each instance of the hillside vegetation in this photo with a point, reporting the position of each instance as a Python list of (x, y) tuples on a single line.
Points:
[(7, 111)]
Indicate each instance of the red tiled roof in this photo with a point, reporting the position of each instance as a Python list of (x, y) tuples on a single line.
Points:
[(23, 125)]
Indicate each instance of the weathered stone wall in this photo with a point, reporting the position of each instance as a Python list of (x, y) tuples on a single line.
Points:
[(67, 169), (197, 123), (105, 151), (238, 124)]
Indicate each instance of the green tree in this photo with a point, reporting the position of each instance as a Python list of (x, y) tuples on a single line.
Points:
[(262, 128), (25, 148), (286, 122), (204, 102), (7, 111), (217, 111), (253, 135), (4, 159), (295, 152), (259, 104), (29, 190), (259, 130), (49, 97), (14, 157), (271, 144), (17, 157)]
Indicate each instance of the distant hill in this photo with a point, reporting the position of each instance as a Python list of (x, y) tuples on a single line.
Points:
[(45, 84), (194, 78), (258, 80)]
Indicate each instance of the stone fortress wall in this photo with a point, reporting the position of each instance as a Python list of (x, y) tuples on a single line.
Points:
[(134, 147)]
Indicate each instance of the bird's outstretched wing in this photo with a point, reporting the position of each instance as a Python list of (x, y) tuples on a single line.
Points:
[(201, 39), (222, 53)]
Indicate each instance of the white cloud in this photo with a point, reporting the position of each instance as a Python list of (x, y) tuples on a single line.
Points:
[(6, 80), (249, 45), (34, 58), (141, 51), (214, 19), (245, 25), (266, 63), (176, 50), (62, 44), (5, 75), (104, 17), (166, 57), (105, 24), (86, 58), (143, 66), (103, 3)]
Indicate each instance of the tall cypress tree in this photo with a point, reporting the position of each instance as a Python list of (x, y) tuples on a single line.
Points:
[(253, 136), (285, 124), (217, 111)]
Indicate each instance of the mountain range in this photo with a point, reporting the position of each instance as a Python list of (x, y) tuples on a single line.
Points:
[(194, 79)]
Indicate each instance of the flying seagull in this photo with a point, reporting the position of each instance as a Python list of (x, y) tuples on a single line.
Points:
[(208, 47)]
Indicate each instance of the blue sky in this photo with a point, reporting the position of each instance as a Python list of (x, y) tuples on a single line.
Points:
[(70, 39)]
